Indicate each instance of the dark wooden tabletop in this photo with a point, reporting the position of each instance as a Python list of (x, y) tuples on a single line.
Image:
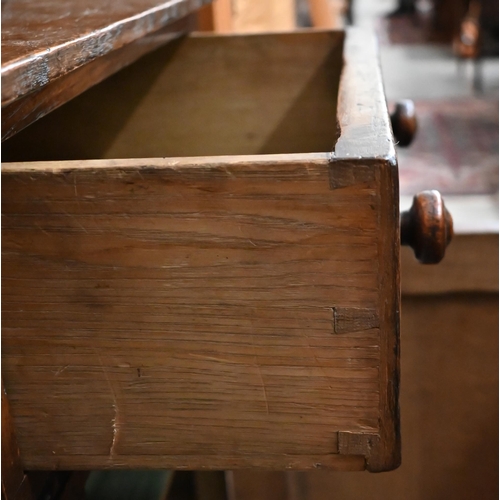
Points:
[(45, 39)]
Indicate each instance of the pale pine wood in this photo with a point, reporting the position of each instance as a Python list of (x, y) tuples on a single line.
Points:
[(223, 16), (179, 312), (223, 301)]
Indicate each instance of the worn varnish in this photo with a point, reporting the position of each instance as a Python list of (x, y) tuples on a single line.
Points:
[(212, 312), (24, 111), (44, 40)]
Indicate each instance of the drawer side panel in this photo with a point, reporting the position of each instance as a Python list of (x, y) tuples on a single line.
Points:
[(168, 311)]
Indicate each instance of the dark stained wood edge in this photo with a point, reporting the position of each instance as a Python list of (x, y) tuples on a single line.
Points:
[(343, 174), (19, 114), (365, 135), (363, 119), (54, 62), (15, 484), (386, 455), (330, 462)]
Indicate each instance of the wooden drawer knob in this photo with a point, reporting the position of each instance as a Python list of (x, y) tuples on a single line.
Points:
[(427, 227), (404, 122)]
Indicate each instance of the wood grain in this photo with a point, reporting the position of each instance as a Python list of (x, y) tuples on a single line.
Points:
[(44, 40), (216, 17), (35, 105), (201, 95), (449, 411), (351, 443), (179, 312)]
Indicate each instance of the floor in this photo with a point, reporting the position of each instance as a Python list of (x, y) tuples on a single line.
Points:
[(423, 71)]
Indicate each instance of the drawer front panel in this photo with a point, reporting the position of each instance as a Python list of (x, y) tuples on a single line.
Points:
[(220, 313)]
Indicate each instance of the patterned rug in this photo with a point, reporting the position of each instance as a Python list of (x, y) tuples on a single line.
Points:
[(405, 30), (455, 150)]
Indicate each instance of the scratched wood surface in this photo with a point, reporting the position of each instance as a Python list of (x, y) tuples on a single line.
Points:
[(44, 40), (210, 312), (171, 309), (27, 109)]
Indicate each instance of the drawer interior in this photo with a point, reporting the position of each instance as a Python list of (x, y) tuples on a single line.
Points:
[(201, 95)]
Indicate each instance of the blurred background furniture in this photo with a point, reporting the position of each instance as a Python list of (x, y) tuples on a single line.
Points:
[(244, 16)]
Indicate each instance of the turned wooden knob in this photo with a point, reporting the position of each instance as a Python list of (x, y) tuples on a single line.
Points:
[(427, 227), (404, 122)]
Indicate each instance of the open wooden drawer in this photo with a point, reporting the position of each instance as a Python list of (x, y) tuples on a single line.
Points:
[(201, 263)]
